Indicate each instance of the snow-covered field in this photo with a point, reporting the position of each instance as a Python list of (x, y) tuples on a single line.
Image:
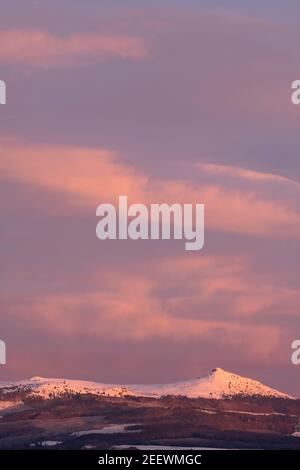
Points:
[(110, 429), (145, 447), (46, 443), (50, 443)]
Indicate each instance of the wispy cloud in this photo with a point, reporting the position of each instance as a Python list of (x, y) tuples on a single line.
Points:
[(265, 206), (42, 49), (137, 305), (244, 173)]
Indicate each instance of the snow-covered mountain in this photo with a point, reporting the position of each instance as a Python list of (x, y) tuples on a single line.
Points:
[(218, 384)]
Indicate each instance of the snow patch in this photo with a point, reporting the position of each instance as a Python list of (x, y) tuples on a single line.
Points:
[(110, 429), (6, 405), (50, 443), (148, 447)]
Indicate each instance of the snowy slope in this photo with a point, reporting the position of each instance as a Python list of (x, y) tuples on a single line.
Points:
[(217, 384)]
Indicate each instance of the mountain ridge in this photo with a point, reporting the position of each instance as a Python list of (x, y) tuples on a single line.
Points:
[(218, 384)]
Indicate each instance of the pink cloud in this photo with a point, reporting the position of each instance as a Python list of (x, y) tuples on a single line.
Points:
[(92, 176), (88, 175), (230, 285), (130, 305), (244, 173), (41, 48)]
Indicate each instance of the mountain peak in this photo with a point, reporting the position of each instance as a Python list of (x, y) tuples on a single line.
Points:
[(218, 370)]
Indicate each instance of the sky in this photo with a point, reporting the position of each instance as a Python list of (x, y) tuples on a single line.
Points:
[(163, 101)]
